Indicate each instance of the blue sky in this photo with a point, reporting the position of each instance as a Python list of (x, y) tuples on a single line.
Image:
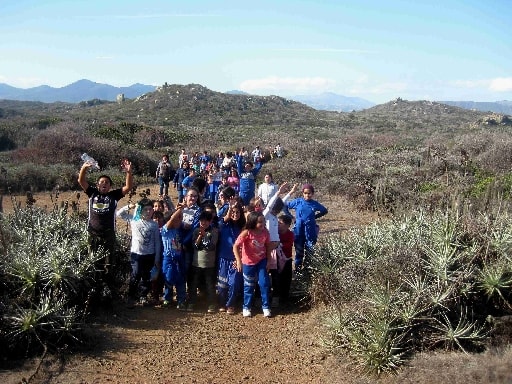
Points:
[(374, 49)]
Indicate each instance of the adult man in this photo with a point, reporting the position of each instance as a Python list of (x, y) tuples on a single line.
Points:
[(164, 175), (101, 223)]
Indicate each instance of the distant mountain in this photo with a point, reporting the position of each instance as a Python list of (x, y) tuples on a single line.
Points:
[(504, 107), (236, 92), (326, 101), (78, 91), (329, 101)]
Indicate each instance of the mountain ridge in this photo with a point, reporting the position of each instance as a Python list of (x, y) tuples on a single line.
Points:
[(85, 90)]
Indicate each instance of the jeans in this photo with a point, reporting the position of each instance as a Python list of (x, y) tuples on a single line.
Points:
[(256, 274), (164, 185), (141, 270), (302, 248)]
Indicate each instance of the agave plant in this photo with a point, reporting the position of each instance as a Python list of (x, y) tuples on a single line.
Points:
[(496, 280), (458, 333), (48, 272)]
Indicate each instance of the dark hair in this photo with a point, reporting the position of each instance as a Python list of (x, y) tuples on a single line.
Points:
[(158, 215), (209, 205), (269, 174), (249, 162), (146, 203), (206, 215), (240, 223), (194, 189), (106, 177), (287, 219), (252, 219), (199, 183), (278, 205), (228, 192)]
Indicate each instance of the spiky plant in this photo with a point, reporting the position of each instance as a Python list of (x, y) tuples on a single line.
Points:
[(458, 333), (48, 273), (496, 280)]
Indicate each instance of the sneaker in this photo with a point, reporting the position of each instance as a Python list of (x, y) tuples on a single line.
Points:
[(246, 312), (222, 309), (190, 307), (143, 301), (230, 310), (266, 312), (212, 309), (181, 307), (166, 304), (275, 302)]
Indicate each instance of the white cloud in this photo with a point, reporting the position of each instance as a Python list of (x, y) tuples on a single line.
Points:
[(501, 84), (287, 84)]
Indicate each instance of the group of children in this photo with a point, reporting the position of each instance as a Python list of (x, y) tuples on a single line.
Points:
[(230, 249), (224, 251)]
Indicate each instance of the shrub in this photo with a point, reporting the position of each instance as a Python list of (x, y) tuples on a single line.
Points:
[(414, 283), (46, 278)]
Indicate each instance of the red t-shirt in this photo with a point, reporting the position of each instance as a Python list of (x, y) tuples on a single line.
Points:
[(286, 239)]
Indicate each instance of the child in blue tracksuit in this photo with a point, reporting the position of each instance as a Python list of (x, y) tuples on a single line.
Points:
[(173, 265), (229, 281), (307, 211), (247, 173)]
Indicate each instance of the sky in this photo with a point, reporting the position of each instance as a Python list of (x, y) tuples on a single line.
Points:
[(377, 50)]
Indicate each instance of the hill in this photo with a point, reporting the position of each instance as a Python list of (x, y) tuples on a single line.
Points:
[(85, 90)]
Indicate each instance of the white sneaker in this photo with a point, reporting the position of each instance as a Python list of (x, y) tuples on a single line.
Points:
[(246, 312), (266, 312)]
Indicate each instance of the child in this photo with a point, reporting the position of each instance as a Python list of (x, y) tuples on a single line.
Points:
[(254, 243), (255, 205), (247, 173), (173, 261), (145, 249), (267, 189), (187, 181), (307, 211), (205, 240), (284, 258), (229, 281), (274, 207), (225, 196)]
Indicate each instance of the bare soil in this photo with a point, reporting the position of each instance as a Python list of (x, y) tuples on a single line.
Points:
[(164, 345)]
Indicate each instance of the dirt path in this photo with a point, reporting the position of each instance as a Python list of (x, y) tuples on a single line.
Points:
[(150, 345)]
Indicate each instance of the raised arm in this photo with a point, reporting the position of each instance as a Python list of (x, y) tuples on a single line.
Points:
[(82, 178), (127, 165)]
